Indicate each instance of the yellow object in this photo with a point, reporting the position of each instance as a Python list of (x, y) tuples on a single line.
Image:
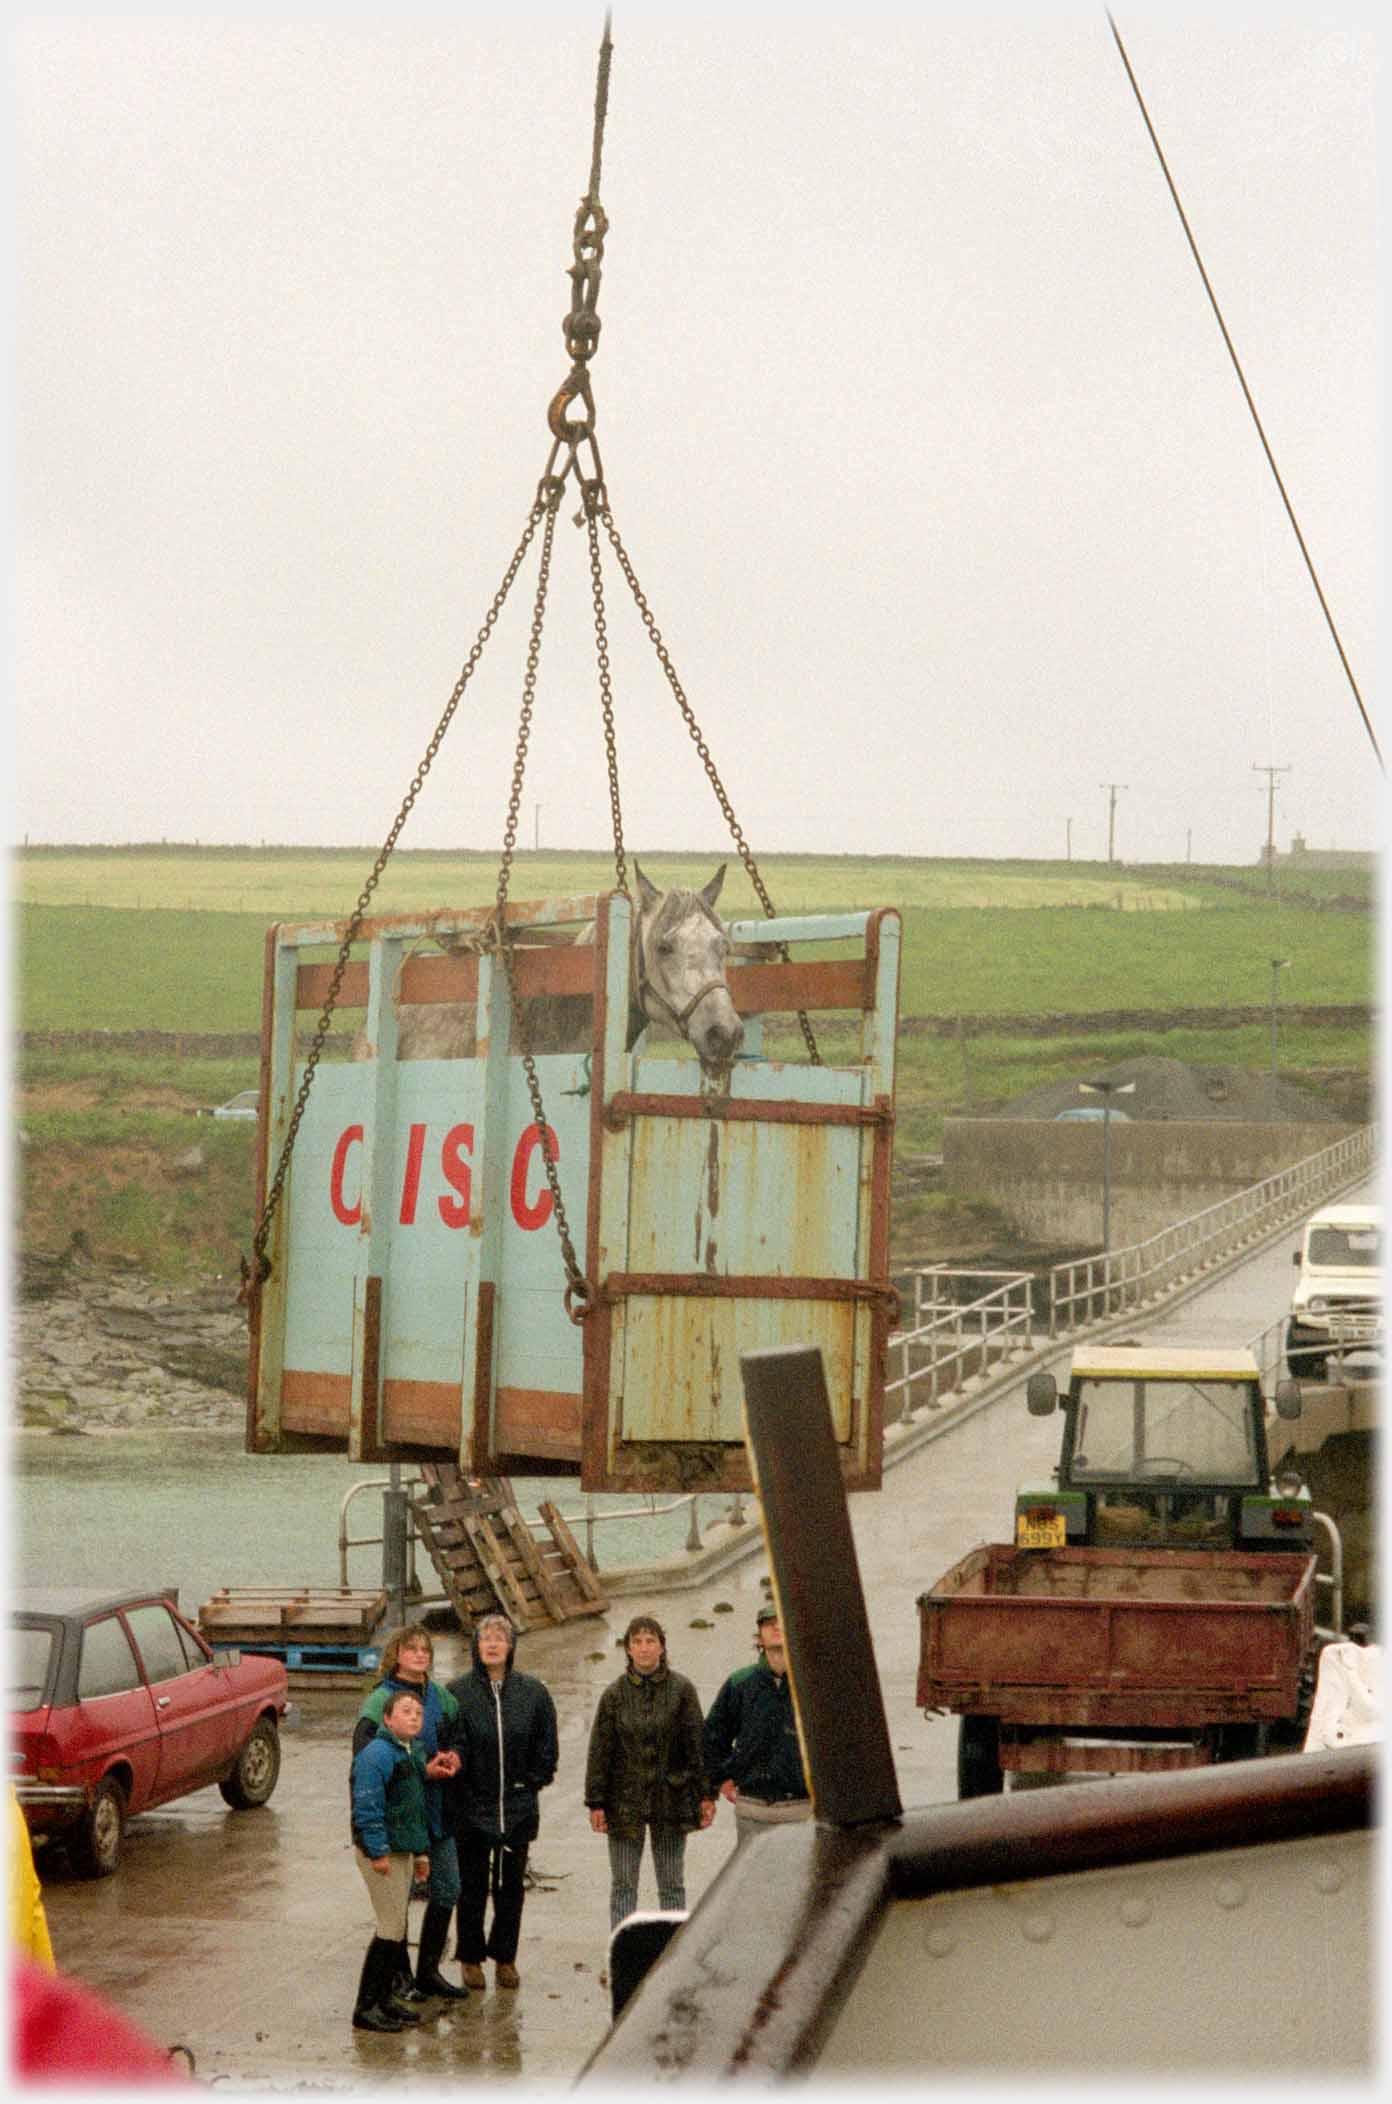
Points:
[(28, 1922)]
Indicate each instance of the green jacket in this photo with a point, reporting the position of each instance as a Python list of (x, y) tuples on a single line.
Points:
[(645, 1760)]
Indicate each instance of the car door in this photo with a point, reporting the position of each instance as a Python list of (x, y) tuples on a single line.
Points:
[(197, 1733), (114, 1715)]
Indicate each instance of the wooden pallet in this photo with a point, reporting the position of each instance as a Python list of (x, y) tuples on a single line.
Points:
[(488, 1558), (339, 1615)]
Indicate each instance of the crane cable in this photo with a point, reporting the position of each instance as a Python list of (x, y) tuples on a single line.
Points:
[(1247, 393)]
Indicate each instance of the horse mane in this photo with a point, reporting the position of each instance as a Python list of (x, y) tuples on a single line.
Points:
[(675, 908)]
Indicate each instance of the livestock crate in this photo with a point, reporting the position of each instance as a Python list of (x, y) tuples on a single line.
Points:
[(415, 1301)]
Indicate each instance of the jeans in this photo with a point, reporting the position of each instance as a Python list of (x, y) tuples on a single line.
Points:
[(444, 1872), (625, 1862)]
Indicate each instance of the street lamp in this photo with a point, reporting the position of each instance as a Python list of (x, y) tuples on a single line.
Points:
[(1278, 965), (1106, 1090)]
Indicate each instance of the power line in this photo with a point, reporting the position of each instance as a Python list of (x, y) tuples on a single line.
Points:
[(1247, 392)]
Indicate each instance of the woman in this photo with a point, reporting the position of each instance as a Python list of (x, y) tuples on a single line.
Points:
[(390, 1843), (508, 1746), (407, 1657), (645, 1771)]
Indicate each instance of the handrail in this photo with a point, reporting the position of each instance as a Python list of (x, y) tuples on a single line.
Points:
[(1089, 1289), (953, 1338)]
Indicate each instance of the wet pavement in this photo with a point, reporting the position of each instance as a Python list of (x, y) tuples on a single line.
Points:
[(240, 1935)]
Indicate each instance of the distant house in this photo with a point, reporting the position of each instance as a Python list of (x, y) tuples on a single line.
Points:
[(1302, 856)]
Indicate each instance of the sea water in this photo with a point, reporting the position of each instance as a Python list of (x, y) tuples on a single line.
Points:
[(192, 1509)]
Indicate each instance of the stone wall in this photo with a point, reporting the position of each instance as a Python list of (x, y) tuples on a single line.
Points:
[(1047, 1177)]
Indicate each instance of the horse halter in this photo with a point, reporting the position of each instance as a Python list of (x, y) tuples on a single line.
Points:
[(645, 990)]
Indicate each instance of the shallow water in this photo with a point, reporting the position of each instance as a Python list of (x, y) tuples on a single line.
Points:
[(193, 1509)]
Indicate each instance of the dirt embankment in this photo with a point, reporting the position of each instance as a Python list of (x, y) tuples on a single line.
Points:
[(99, 1348)]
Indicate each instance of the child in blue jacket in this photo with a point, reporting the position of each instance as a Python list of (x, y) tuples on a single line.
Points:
[(391, 1846)]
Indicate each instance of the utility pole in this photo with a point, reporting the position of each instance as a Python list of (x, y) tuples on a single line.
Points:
[(1271, 774), (1112, 789), (1069, 823), (1278, 965)]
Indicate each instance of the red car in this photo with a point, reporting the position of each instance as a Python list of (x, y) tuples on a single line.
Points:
[(117, 1705)]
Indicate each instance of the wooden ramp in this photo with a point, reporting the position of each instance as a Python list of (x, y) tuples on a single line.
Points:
[(489, 1559)]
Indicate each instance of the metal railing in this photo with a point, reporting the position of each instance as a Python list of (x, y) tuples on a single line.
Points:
[(375, 1541), (953, 1338), (1089, 1289)]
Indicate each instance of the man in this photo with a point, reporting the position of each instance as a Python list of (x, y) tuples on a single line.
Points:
[(751, 1743)]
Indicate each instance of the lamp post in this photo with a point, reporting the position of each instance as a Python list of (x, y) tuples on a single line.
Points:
[(1106, 1090), (1278, 965)]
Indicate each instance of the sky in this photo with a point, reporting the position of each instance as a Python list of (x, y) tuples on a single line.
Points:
[(914, 415)]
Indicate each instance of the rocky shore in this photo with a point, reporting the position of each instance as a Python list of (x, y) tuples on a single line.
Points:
[(100, 1348)]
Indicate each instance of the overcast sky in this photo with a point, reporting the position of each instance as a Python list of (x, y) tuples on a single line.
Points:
[(915, 419)]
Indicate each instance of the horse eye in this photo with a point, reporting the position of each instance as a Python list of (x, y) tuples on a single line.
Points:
[(666, 946)]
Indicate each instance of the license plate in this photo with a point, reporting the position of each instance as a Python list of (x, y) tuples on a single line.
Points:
[(1042, 1533)]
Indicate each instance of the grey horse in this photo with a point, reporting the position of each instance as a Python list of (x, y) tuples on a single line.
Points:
[(677, 982)]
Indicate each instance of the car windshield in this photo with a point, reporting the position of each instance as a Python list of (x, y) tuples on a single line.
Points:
[(31, 1656), (1348, 1248), (1164, 1432)]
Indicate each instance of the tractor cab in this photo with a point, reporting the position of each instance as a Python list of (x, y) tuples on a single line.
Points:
[(1163, 1446)]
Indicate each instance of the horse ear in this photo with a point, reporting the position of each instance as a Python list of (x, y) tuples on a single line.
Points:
[(711, 892), (648, 892)]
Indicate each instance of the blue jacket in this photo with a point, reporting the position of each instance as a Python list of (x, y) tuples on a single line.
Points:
[(389, 1786), (436, 1732), (751, 1735)]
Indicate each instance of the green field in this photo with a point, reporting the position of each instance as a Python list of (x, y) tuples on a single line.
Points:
[(151, 940), (172, 940)]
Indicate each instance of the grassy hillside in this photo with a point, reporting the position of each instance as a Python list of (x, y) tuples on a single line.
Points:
[(172, 939)]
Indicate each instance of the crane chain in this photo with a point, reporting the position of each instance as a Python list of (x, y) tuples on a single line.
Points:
[(746, 856), (262, 1267), (578, 1298)]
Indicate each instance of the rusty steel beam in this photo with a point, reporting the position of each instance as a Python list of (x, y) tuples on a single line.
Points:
[(711, 1285), (816, 1582), (735, 1110)]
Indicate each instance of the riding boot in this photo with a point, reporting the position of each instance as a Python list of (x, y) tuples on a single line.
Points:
[(405, 1993), (434, 1936), (402, 2002), (369, 2012)]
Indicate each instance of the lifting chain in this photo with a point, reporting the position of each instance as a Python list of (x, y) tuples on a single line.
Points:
[(571, 421), (577, 1292), (260, 1269)]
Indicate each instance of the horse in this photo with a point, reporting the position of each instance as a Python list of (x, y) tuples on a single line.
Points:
[(677, 983)]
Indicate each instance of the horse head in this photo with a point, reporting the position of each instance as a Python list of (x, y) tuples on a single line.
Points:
[(680, 953)]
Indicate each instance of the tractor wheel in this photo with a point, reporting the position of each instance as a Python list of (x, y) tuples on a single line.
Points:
[(979, 1771)]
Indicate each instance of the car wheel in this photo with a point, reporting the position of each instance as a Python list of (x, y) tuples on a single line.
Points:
[(94, 1844), (258, 1768)]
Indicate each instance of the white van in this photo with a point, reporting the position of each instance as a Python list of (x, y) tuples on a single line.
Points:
[(1337, 1303)]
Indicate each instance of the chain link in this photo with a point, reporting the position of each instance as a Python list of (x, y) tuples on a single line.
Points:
[(577, 1295), (593, 493), (736, 833), (274, 1194)]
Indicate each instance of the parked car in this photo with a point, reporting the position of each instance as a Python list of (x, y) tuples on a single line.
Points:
[(245, 1104), (117, 1705)]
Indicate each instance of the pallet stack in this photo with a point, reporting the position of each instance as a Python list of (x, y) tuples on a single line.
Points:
[(329, 1632), (488, 1558)]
